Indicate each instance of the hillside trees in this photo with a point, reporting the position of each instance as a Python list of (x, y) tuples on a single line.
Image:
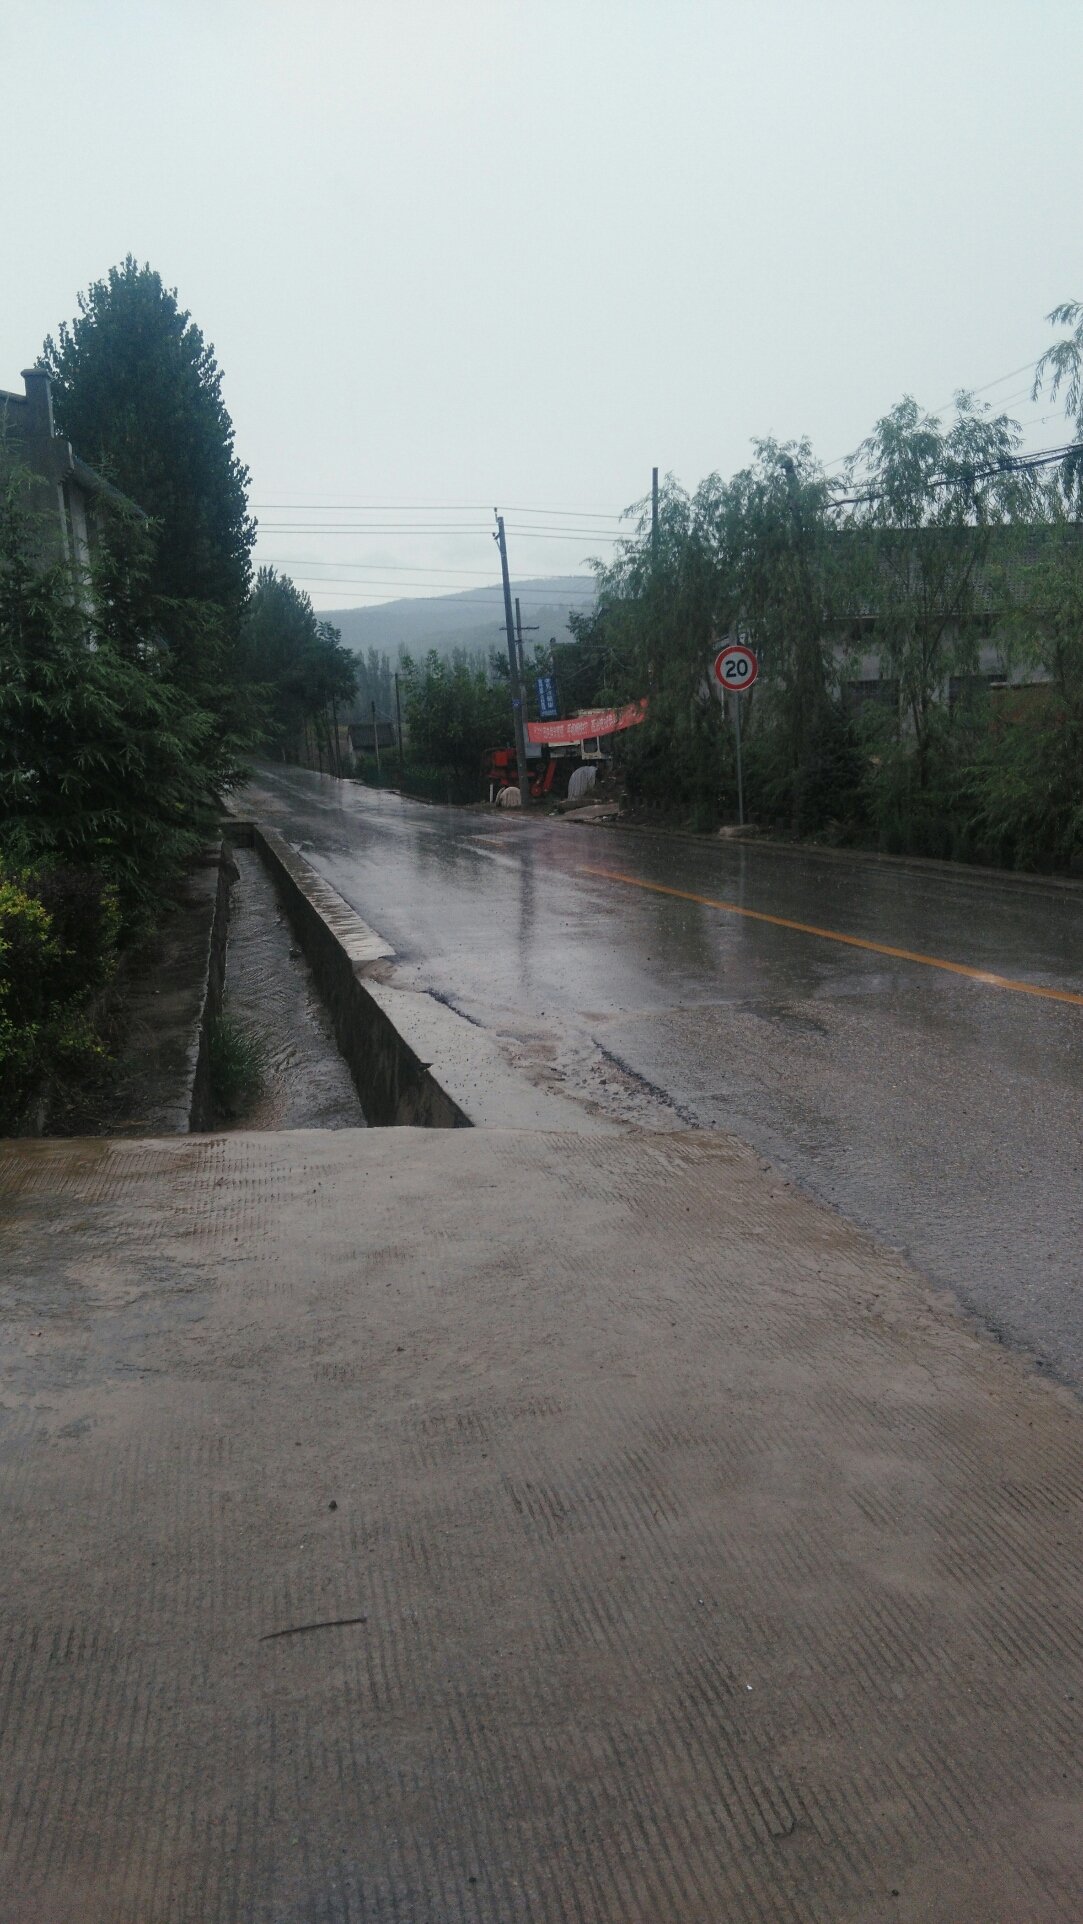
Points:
[(375, 685)]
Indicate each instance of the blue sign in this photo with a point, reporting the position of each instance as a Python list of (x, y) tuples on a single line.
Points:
[(548, 705)]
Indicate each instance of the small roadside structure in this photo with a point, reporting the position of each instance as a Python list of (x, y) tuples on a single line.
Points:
[(366, 736)]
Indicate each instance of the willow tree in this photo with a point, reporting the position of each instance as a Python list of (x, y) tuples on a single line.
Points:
[(661, 601), (928, 500), (787, 576)]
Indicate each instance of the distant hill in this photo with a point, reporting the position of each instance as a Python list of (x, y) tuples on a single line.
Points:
[(472, 620)]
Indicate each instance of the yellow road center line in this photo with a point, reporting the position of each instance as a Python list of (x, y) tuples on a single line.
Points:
[(834, 935)]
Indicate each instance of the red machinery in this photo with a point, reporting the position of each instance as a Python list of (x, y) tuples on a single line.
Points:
[(500, 769)]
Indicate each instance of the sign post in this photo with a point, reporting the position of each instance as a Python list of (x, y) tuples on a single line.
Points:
[(735, 669), (548, 703)]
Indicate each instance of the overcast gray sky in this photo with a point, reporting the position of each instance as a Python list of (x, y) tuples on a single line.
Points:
[(454, 253)]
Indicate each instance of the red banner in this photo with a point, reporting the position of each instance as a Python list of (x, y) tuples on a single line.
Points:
[(585, 727)]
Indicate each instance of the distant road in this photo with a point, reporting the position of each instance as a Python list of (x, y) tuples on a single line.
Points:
[(934, 1096)]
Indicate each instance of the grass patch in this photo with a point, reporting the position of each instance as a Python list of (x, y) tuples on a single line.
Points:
[(238, 1059)]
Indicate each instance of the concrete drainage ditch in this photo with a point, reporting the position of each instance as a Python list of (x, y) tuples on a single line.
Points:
[(412, 1060), (379, 1036)]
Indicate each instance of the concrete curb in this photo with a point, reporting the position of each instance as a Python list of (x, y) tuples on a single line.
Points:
[(414, 1060), (969, 872)]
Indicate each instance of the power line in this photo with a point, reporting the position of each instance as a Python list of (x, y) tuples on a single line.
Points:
[(999, 382), (434, 507), (436, 591), (358, 599), (986, 471), (407, 527)]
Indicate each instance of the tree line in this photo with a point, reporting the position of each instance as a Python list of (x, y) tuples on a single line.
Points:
[(940, 558), (131, 698)]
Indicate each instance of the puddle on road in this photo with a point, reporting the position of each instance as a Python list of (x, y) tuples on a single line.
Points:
[(270, 989)]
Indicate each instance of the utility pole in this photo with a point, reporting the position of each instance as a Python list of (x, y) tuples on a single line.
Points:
[(398, 718), (530, 629), (513, 664), (376, 742), (654, 576), (809, 685)]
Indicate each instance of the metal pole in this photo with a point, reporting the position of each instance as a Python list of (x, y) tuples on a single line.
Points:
[(398, 715), (376, 742), (530, 629), (513, 664), (740, 777), (519, 644), (654, 581)]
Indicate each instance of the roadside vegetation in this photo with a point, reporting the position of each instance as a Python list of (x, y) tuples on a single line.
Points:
[(455, 707), (131, 691), (297, 669), (937, 544)]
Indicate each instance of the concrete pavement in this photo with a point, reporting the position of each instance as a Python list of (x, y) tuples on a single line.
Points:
[(466, 1525)]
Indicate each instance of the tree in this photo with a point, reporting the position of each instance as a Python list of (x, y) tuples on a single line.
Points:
[(1062, 364), (454, 711), (296, 663), (790, 583), (752, 556), (928, 498), (375, 683), (138, 391), (105, 762)]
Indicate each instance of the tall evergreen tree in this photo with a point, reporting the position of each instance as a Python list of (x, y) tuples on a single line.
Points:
[(138, 392)]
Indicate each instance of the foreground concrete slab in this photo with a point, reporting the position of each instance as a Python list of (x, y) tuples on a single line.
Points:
[(454, 1525)]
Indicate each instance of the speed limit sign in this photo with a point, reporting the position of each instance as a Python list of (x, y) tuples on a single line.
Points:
[(735, 668)]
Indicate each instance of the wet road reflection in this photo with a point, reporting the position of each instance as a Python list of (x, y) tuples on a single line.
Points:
[(943, 1114)]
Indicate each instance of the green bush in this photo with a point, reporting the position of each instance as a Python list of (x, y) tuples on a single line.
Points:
[(58, 934), (1026, 791)]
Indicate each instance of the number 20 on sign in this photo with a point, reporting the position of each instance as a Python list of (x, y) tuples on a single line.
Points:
[(735, 668)]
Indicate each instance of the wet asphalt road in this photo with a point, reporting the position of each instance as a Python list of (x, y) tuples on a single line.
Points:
[(940, 1112)]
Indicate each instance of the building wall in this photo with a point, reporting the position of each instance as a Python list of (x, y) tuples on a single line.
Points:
[(60, 512)]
